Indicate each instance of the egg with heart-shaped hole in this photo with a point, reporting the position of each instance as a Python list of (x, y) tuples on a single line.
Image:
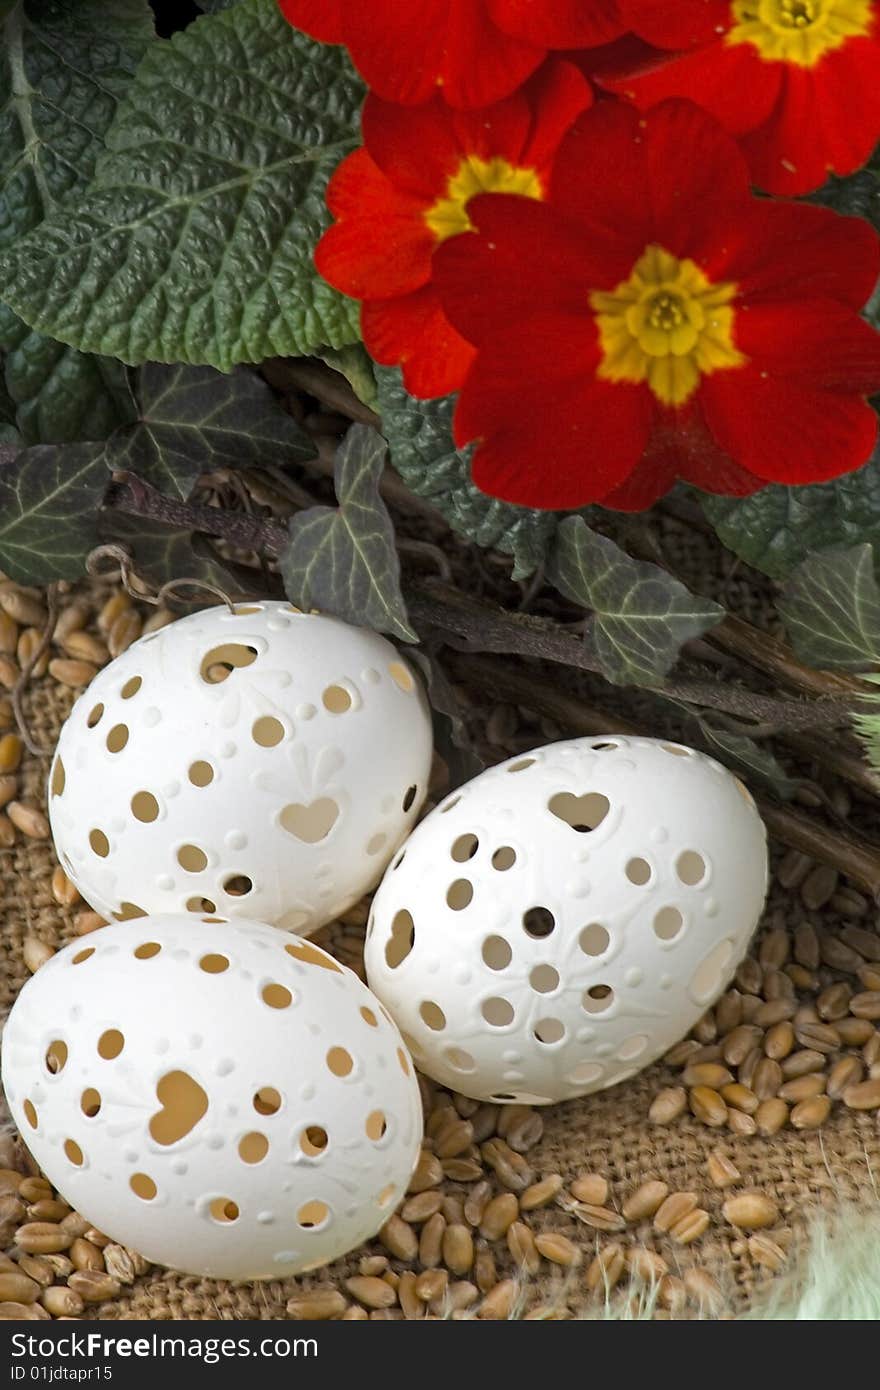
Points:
[(222, 1097), (251, 761), (563, 919)]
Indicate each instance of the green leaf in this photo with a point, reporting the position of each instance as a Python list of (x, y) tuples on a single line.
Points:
[(419, 435), (343, 560), (778, 527), (737, 751), (64, 64), (194, 241), (356, 366), (161, 552), (831, 609), (641, 615), (49, 495), (193, 419), (61, 394)]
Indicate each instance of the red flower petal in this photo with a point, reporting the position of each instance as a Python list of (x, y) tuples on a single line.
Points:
[(625, 55), (732, 83), (692, 197), (320, 18), (676, 23), (787, 250), (820, 343), (598, 430), (405, 50), (559, 23), (600, 179), (380, 245), (681, 447), (526, 258), (414, 332), (814, 129), (557, 94), (420, 147), (786, 431)]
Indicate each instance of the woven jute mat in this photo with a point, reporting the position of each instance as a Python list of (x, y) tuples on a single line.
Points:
[(606, 1133)]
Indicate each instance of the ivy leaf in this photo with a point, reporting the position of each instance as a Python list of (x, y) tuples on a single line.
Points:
[(194, 241), (737, 751), (778, 527), (831, 610), (419, 435), (343, 560), (641, 615), (64, 64), (194, 419), (49, 496), (161, 552)]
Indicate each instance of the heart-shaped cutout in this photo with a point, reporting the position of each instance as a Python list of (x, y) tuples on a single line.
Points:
[(183, 1104), (310, 823), (582, 813), (310, 955)]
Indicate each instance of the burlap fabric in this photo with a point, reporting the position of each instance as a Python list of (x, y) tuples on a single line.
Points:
[(607, 1133)]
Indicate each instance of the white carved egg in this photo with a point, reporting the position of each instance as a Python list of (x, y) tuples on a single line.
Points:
[(222, 1097), (261, 762), (563, 919)]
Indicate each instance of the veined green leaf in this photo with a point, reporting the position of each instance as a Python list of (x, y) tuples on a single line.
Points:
[(342, 559), (831, 609), (641, 615), (64, 64), (194, 241)]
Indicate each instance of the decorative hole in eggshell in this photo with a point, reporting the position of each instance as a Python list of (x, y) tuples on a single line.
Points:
[(460, 894), (582, 813), (597, 946), (538, 922), (594, 939), (99, 843), (464, 848), (598, 998), (142, 1186), (74, 1153), (668, 922), (117, 738), (56, 1056), (183, 1104), (243, 735), (256, 1119), (311, 823), (128, 912), (496, 952), (219, 663), (313, 1140), (432, 1015), (90, 1102), (267, 1101), (58, 778), (110, 1044), (253, 1147), (145, 807)]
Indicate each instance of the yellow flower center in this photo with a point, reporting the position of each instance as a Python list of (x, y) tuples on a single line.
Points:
[(798, 31), (666, 325), (448, 216)]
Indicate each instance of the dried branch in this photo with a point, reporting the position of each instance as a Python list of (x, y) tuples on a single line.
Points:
[(851, 855), (478, 624)]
